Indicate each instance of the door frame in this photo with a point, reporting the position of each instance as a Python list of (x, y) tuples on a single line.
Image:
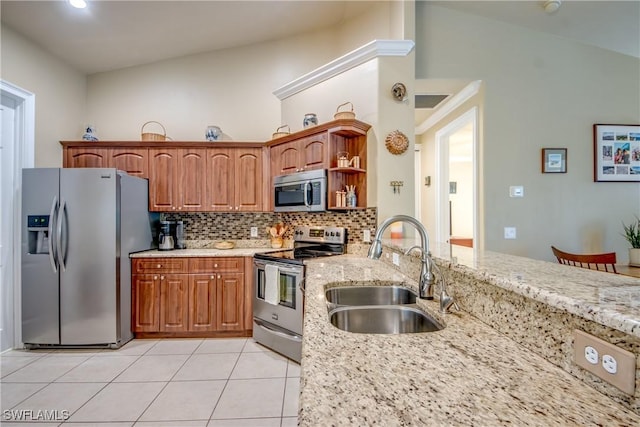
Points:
[(442, 172), (23, 157)]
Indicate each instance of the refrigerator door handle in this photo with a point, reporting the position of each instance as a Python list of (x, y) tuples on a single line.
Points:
[(51, 231), (61, 215)]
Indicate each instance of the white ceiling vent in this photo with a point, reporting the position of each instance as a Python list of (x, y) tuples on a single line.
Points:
[(429, 101)]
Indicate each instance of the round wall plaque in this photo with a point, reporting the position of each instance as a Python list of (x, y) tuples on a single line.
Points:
[(396, 142)]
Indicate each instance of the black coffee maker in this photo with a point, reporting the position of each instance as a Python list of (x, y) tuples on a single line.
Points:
[(166, 237)]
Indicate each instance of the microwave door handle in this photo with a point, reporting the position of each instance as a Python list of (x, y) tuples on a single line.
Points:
[(307, 184)]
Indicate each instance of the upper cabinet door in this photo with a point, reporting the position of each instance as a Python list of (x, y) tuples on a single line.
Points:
[(192, 163), (87, 158), (285, 158), (133, 161), (163, 177), (220, 179), (249, 180), (314, 150)]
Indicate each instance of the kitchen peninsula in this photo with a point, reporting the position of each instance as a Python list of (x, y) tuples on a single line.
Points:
[(505, 364)]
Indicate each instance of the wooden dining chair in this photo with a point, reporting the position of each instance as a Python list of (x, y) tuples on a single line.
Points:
[(602, 262)]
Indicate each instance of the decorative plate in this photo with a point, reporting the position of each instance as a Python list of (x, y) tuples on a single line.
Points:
[(224, 245), (397, 142)]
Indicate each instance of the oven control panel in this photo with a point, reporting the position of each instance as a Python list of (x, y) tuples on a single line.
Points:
[(320, 234)]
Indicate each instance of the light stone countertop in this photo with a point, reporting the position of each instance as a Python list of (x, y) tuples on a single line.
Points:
[(178, 253), (609, 299), (466, 374)]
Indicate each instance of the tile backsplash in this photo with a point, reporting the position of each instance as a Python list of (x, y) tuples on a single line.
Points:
[(237, 226)]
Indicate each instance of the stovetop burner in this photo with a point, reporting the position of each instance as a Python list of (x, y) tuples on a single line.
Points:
[(310, 242)]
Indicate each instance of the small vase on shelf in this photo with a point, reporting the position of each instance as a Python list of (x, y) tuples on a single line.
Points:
[(214, 133), (310, 119)]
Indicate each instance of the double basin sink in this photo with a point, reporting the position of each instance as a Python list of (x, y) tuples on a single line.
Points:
[(377, 310)]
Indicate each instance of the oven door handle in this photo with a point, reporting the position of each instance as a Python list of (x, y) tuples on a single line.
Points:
[(292, 336), (302, 285), (289, 270)]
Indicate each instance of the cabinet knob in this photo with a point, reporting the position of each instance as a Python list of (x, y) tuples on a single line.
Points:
[(173, 207), (236, 208), (180, 208), (155, 277), (212, 277), (215, 265), (218, 276), (161, 277), (230, 207), (159, 265)]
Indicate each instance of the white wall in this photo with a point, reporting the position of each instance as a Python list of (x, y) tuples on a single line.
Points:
[(540, 91), (60, 94), (230, 88)]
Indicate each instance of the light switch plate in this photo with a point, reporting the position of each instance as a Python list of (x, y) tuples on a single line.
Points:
[(509, 232), (254, 231), (516, 191)]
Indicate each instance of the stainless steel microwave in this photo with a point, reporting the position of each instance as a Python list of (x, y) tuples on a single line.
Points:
[(300, 192)]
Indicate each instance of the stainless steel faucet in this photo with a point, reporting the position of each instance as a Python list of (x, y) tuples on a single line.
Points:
[(427, 279)]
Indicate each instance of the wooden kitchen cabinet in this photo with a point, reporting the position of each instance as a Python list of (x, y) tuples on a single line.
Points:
[(234, 180), (159, 294), (134, 161), (86, 157), (145, 300), (230, 308), (174, 303), (354, 142), (299, 155), (199, 296), (176, 179), (318, 148)]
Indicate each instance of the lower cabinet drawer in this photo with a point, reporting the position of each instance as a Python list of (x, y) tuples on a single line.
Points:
[(160, 265), (209, 265)]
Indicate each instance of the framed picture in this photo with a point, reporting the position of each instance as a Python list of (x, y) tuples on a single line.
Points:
[(554, 160), (616, 153)]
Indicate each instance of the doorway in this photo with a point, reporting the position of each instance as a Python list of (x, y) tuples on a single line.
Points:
[(456, 196), (17, 110)]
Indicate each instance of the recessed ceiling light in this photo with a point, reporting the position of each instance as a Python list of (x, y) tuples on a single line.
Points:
[(78, 4)]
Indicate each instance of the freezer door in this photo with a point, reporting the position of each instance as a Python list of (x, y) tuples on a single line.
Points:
[(40, 291), (89, 215)]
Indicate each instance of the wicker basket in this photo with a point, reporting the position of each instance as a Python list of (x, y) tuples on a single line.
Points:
[(148, 136), (278, 133), (344, 114)]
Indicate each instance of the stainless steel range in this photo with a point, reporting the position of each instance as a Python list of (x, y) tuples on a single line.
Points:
[(278, 299)]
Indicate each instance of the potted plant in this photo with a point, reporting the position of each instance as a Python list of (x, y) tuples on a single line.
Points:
[(632, 234)]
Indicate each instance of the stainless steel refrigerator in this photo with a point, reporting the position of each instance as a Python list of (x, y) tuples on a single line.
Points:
[(79, 227)]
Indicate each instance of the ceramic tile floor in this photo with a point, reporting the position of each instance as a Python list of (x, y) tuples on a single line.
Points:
[(147, 383)]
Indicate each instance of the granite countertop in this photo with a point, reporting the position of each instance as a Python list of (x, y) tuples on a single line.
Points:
[(466, 374), (178, 253), (608, 299)]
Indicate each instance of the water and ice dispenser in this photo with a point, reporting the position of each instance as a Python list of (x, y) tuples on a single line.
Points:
[(38, 232)]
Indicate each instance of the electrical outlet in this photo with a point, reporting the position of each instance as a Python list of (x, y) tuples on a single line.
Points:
[(366, 236), (591, 354), (396, 259), (254, 231), (609, 364), (618, 366)]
